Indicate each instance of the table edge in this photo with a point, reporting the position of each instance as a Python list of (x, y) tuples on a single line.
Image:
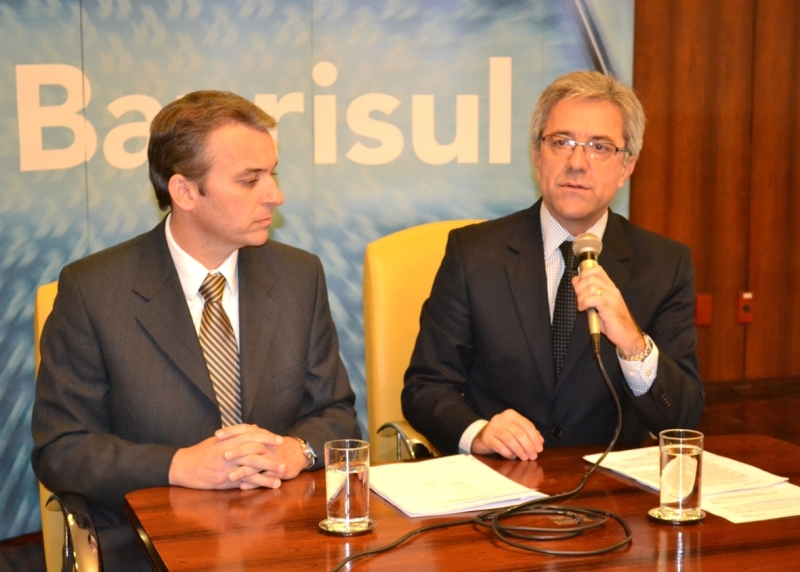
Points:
[(144, 542)]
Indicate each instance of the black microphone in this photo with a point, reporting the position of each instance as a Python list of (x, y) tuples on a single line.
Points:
[(586, 248)]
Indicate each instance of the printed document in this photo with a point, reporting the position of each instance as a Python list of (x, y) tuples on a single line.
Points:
[(778, 501), (732, 490), (446, 485), (720, 475)]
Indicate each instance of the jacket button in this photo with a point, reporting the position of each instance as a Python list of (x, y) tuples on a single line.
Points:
[(557, 432)]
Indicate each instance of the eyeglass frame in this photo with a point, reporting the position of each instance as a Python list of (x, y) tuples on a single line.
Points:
[(592, 145)]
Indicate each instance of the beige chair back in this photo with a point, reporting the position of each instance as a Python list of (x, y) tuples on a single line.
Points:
[(52, 520), (398, 274)]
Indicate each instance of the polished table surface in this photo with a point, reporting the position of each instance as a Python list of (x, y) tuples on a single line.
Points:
[(186, 529)]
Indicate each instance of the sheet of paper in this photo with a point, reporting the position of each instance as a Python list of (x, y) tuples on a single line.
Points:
[(779, 501), (720, 474), (446, 485), (732, 490)]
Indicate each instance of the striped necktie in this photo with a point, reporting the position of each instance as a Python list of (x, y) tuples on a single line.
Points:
[(219, 346), (565, 307)]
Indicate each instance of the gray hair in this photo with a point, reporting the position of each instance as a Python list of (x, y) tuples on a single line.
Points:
[(597, 86)]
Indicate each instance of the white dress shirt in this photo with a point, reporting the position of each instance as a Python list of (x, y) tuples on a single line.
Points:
[(191, 274)]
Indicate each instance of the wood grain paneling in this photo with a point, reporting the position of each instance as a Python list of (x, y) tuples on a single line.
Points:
[(693, 70), (773, 341)]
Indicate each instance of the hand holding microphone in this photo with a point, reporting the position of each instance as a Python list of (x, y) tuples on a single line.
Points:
[(599, 296), (587, 248)]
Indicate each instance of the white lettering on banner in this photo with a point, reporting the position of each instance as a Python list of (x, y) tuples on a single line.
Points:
[(325, 129), (360, 123), (114, 143), (33, 117), (324, 74), (294, 102), (500, 111), (464, 147)]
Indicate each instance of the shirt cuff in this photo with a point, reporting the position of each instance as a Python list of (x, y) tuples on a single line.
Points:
[(640, 375), (469, 434)]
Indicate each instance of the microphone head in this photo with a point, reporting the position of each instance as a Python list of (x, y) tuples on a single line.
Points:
[(587, 244)]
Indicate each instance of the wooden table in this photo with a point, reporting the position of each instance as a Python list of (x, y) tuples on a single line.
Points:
[(277, 529)]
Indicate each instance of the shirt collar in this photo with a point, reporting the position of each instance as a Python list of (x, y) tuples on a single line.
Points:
[(553, 234), (192, 273)]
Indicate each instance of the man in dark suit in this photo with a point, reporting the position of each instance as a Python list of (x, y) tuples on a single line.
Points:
[(487, 374), (139, 387)]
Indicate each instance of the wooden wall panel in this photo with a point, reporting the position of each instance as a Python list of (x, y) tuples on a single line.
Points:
[(693, 65), (773, 341)]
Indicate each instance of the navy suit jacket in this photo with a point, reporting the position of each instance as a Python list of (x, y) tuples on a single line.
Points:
[(485, 342), (123, 382)]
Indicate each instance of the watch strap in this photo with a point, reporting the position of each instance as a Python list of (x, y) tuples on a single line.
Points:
[(308, 452)]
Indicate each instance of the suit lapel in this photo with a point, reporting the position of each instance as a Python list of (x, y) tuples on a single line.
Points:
[(258, 322), (166, 317), (528, 282), (614, 259), (616, 253)]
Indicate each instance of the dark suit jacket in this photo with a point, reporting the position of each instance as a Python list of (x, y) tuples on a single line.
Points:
[(123, 382), (485, 343)]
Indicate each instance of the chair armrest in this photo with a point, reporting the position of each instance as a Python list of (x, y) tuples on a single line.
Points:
[(81, 550), (409, 441)]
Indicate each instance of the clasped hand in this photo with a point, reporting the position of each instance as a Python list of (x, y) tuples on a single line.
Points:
[(240, 456)]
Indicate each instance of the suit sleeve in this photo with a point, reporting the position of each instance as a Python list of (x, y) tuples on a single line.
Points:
[(676, 396), (74, 450), (327, 411), (438, 374)]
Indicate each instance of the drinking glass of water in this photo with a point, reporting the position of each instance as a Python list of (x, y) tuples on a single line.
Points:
[(681, 474), (347, 487)]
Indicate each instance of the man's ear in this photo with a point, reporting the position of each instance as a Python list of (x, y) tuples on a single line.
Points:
[(627, 170), (536, 159), (183, 192)]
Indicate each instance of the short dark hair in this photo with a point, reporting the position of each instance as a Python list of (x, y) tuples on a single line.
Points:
[(179, 132)]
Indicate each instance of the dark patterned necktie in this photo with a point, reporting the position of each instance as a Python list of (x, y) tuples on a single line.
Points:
[(219, 347), (565, 308)]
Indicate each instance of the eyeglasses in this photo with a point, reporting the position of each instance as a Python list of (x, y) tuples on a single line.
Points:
[(597, 150)]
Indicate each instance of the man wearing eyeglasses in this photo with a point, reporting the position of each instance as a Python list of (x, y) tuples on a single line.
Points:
[(494, 370)]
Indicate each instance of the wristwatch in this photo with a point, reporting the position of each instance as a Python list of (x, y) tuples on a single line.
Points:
[(309, 453), (642, 355)]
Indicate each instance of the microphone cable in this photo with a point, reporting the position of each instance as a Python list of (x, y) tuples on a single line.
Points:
[(584, 519), (543, 507)]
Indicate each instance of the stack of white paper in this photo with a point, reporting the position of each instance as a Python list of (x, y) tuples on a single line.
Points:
[(720, 475), (735, 491), (446, 485)]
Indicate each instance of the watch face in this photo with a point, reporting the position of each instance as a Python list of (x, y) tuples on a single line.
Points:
[(307, 451)]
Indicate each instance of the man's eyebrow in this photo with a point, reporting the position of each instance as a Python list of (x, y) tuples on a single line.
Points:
[(571, 135), (257, 170)]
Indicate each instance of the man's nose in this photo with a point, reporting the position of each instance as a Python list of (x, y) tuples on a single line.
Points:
[(273, 195), (578, 159)]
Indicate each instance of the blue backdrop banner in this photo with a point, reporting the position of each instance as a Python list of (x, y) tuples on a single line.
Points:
[(391, 114)]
